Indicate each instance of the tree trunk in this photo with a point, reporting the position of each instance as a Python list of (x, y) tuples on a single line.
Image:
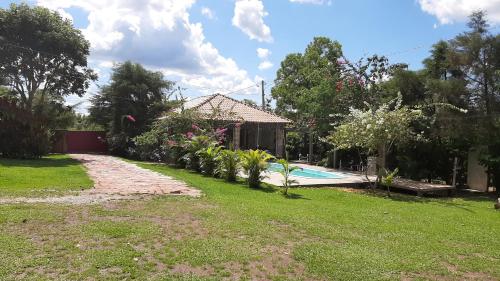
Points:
[(381, 162)]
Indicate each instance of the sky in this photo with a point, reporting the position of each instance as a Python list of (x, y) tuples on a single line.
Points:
[(229, 46)]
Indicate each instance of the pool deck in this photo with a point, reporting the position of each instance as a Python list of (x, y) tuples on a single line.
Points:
[(353, 179), (350, 179), (421, 188)]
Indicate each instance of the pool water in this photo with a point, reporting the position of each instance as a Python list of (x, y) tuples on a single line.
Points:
[(306, 173)]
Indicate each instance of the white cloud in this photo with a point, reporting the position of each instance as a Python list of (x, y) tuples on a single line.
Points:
[(265, 65), (449, 11), (157, 34), (315, 2), (249, 17), (208, 13), (65, 15), (263, 53)]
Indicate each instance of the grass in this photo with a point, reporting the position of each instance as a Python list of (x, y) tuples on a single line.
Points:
[(240, 233), (51, 175)]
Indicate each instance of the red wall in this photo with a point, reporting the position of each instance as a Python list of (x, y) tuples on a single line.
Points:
[(81, 142)]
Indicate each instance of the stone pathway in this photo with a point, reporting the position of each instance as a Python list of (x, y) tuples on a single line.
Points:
[(115, 179), (112, 175)]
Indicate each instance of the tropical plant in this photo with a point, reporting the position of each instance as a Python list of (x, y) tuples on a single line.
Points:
[(208, 159), (388, 179), (254, 162), (192, 146), (286, 172), (228, 165)]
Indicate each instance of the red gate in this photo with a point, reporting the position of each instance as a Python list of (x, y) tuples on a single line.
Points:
[(80, 142)]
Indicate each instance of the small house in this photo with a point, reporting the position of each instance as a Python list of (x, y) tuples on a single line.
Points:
[(251, 127)]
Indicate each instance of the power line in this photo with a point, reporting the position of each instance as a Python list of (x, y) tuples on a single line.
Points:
[(236, 91)]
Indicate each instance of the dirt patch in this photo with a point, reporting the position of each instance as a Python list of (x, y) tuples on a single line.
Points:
[(185, 269)]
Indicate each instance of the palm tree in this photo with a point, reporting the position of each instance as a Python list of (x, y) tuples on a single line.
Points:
[(254, 162), (286, 173), (228, 164)]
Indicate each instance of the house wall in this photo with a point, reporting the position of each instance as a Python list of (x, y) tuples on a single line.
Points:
[(477, 178), (79, 142), (270, 137)]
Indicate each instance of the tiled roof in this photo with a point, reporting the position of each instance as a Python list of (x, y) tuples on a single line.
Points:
[(221, 107)]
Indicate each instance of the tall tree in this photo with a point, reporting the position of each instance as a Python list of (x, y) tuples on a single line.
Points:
[(131, 102), (476, 54), (42, 54), (305, 83), (317, 88)]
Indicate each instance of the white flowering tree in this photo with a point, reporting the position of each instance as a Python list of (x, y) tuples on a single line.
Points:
[(376, 130)]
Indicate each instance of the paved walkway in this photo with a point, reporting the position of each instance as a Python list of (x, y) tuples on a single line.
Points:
[(112, 175), (115, 179)]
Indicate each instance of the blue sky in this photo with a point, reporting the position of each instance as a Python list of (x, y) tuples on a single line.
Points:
[(211, 46)]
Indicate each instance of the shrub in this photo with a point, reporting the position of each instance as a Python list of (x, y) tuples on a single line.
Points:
[(118, 144), (208, 159), (254, 162), (388, 179), (294, 144), (22, 135), (286, 172), (192, 146), (150, 147), (228, 165)]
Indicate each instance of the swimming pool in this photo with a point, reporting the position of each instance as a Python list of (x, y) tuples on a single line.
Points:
[(307, 173)]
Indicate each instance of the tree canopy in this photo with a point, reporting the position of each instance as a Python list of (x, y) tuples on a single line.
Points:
[(130, 103), (42, 54)]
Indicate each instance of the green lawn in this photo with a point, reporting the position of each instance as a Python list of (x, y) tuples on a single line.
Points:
[(239, 233), (51, 175)]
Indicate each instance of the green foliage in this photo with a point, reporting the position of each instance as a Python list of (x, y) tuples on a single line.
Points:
[(129, 105), (208, 159), (253, 163), (192, 147), (150, 146), (305, 83), (490, 158), (286, 172), (52, 55), (22, 135), (294, 144), (39, 40), (316, 88), (85, 123), (388, 179), (228, 164)]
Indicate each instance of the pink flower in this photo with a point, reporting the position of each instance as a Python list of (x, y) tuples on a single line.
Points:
[(361, 83), (195, 127), (220, 131), (339, 86), (190, 135), (130, 118), (171, 143)]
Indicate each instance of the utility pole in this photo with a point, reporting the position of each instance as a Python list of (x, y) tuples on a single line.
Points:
[(263, 96)]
